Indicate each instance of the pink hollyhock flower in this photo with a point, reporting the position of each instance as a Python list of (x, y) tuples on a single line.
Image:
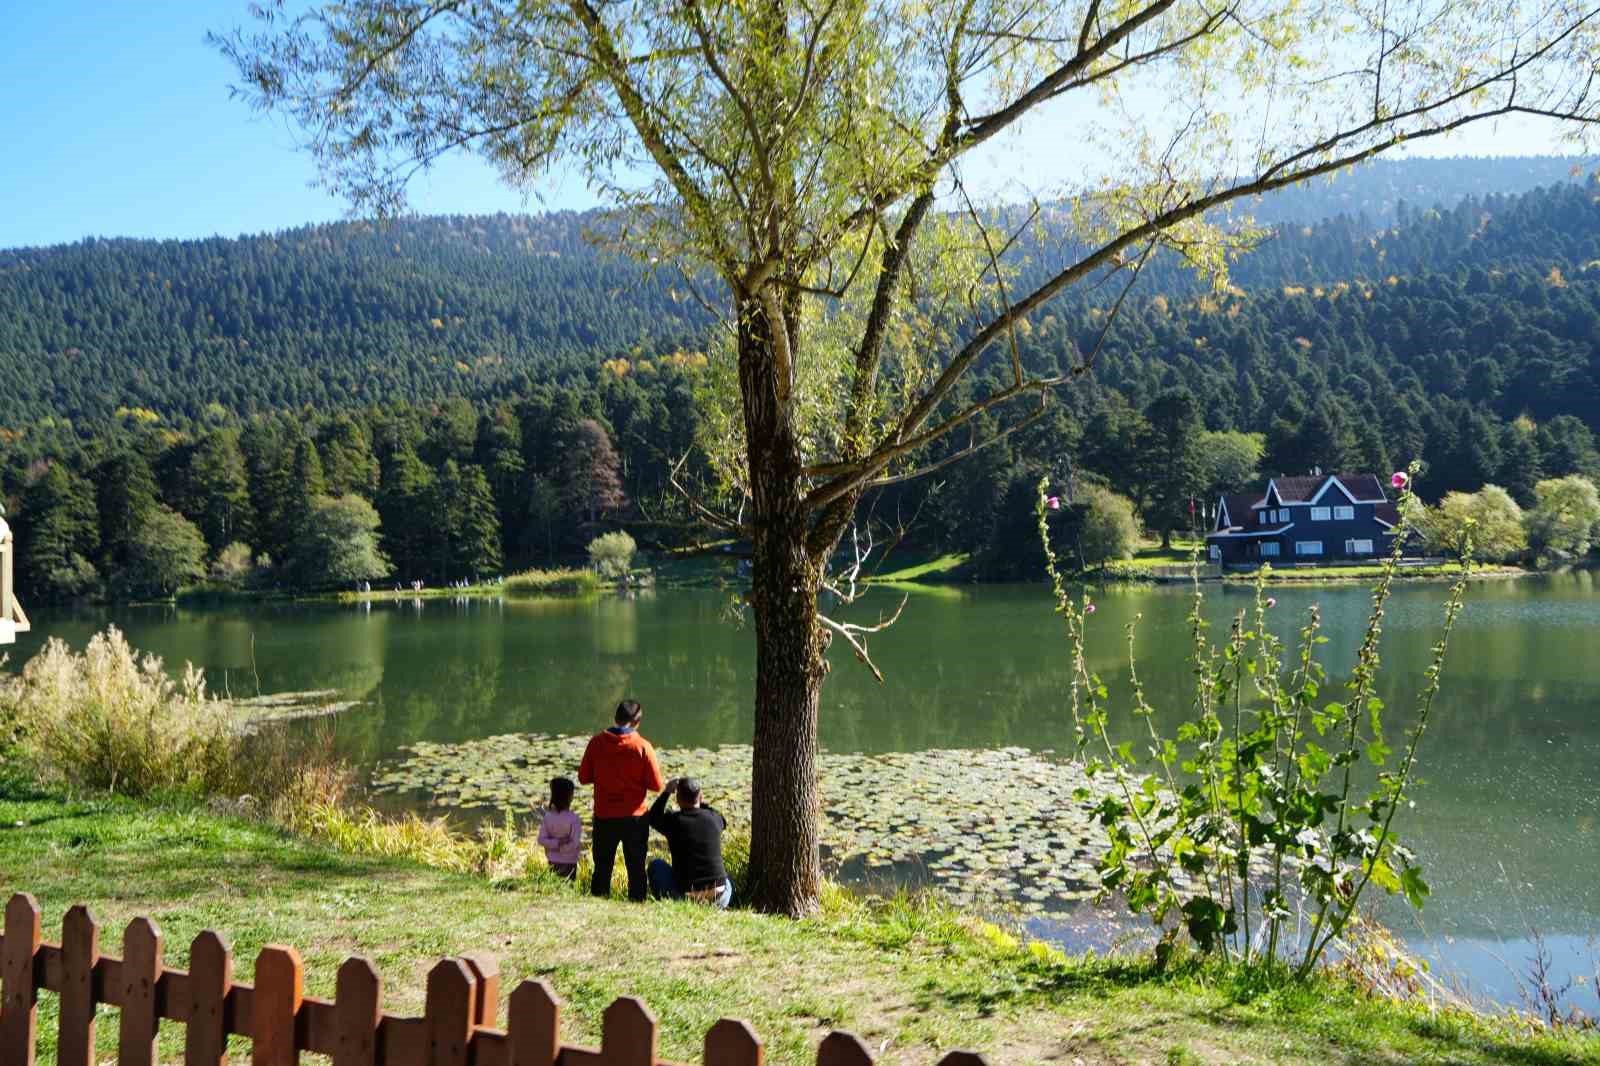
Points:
[(1399, 480), (1272, 601), (1054, 503), (1089, 609)]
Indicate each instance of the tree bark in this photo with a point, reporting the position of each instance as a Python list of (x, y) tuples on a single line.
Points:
[(790, 645)]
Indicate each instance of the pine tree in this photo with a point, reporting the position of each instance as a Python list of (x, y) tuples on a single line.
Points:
[(405, 507), (474, 525), (269, 472), (1170, 452), (216, 491), (125, 492), (348, 464), (57, 535)]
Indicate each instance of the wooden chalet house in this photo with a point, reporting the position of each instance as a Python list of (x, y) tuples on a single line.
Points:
[(1305, 520)]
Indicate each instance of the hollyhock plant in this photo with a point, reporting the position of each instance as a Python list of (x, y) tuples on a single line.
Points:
[(1399, 480)]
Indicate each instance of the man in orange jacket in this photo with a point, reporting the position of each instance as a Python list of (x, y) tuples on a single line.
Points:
[(621, 765)]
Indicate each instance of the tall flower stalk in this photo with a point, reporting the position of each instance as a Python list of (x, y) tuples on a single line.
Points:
[(1220, 829)]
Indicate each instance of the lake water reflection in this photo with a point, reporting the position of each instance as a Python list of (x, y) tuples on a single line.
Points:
[(1509, 823)]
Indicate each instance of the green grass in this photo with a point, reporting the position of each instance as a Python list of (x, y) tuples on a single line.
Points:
[(543, 582), (1369, 571), (909, 977), (709, 566), (918, 567)]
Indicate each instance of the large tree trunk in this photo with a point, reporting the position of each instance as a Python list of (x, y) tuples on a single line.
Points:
[(790, 664)]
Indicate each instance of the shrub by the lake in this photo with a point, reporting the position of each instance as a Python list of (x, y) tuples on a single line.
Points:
[(110, 719), (536, 582), (611, 554), (1255, 800)]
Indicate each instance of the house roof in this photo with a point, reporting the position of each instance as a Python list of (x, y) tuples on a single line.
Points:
[(1364, 487), (1297, 489), (1238, 505), (1361, 488), (1387, 513)]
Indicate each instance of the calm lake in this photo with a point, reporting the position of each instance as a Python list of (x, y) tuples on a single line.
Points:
[(1508, 818)]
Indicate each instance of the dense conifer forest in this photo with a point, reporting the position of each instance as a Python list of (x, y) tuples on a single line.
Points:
[(458, 396)]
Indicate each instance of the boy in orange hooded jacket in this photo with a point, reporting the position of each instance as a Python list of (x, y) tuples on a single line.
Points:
[(621, 765)]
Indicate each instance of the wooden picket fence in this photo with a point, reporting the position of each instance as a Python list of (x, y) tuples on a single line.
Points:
[(458, 1026)]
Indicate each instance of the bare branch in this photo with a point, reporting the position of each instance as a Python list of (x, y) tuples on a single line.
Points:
[(731, 525), (854, 634), (640, 115), (999, 279), (971, 449)]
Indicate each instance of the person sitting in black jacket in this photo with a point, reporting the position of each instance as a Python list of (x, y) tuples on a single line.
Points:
[(694, 836)]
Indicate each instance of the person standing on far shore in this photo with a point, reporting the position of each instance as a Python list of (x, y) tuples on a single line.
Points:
[(621, 765)]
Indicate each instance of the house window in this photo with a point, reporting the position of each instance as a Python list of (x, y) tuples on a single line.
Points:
[(1308, 547), (1266, 516), (1358, 547), (1344, 514), (1216, 552), (1320, 514), (1269, 547), (1283, 515)]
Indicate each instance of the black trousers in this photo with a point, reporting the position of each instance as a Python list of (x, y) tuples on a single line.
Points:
[(634, 836)]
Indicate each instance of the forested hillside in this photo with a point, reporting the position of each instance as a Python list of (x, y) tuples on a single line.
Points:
[(325, 315), (474, 394), (349, 313)]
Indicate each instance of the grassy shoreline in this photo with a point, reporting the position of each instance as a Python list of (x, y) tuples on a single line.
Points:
[(913, 980)]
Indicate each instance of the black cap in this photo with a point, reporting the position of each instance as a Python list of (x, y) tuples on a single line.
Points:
[(689, 786)]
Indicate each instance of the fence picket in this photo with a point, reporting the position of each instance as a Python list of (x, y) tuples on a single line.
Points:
[(843, 1049), (141, 974), (628, 1034), (358, 1003), (19, 1007), (80, 950), (733, 1043), (533, 1022), (205, 1042), (485, 971), (280, 989), (451, 1006)]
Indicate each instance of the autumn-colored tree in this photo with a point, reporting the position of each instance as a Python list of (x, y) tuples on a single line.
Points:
[(591, 473)]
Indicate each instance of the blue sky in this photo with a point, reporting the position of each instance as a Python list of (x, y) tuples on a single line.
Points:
[(117, 122)]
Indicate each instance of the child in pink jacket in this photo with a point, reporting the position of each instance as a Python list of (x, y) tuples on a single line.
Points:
[(561, 832)]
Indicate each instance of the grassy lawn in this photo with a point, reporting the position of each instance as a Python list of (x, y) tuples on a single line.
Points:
[(919, 566), (1150, 553), (910, 981), (1369, 571), (710, 566)]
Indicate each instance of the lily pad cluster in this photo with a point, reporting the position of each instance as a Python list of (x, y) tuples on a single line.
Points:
[(250, 714), (1004, 825)]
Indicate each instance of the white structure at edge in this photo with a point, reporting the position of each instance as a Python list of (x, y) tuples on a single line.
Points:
[(12, 620)]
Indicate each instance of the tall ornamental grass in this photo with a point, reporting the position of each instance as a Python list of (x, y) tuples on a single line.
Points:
[(536, 582), (112, 720)]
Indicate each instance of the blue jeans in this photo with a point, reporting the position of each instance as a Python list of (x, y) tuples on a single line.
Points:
[(663, 885)]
